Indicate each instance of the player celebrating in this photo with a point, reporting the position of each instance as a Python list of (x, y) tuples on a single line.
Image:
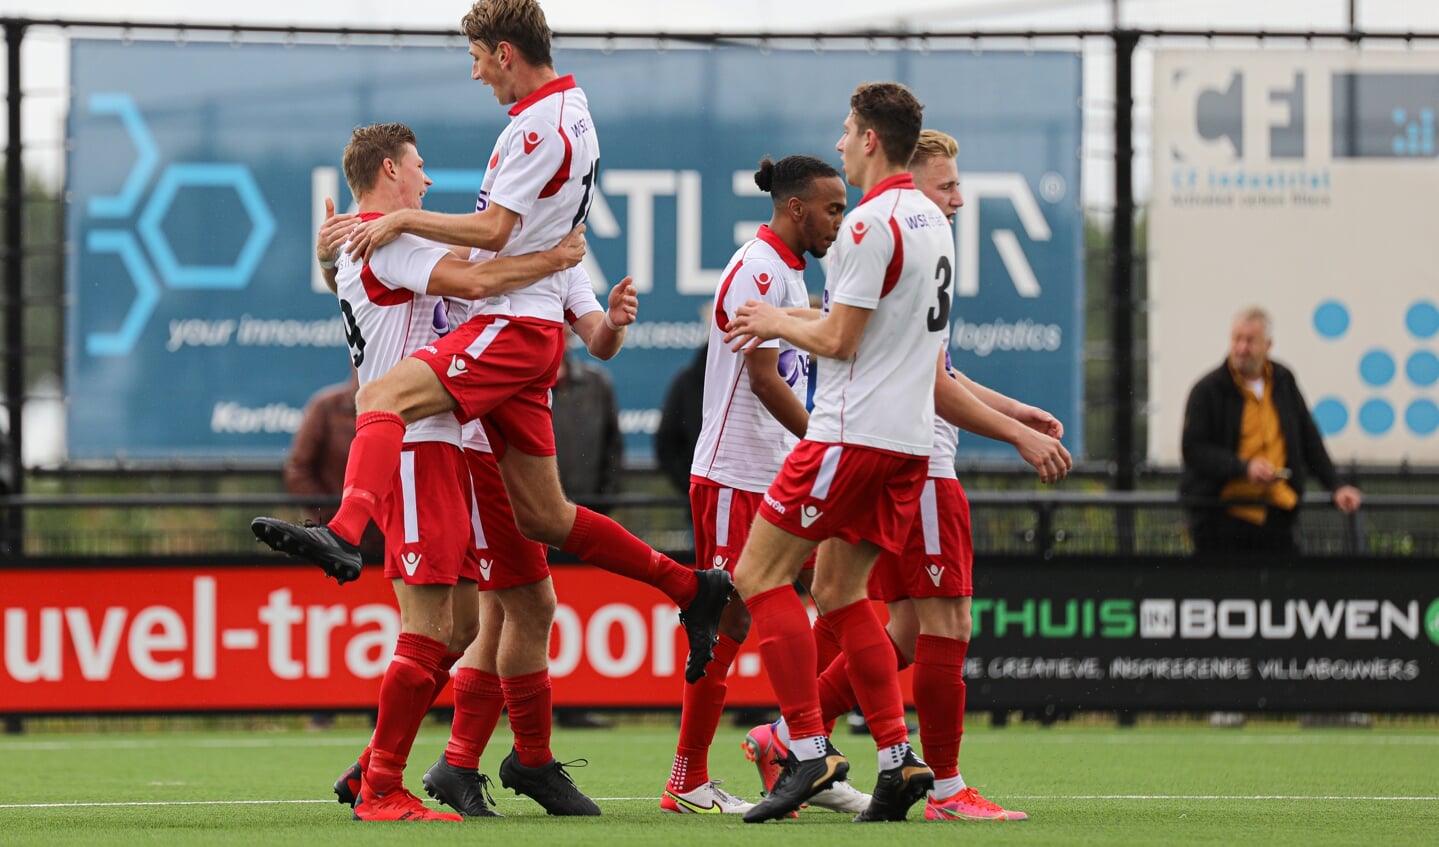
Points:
[(393, 305), (928, 587), (499, 366), (855, 479), (753, 414)]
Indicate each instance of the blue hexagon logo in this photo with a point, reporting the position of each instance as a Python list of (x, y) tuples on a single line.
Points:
[(262, 226)]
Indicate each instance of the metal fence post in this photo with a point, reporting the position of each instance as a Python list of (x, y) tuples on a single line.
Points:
[(13, 539), (1122, 280)]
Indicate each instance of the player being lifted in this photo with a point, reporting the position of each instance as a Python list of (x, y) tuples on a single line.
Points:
[(498, 366), (393, 305)]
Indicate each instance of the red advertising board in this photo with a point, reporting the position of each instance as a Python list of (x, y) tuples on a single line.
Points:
[(226, 638)]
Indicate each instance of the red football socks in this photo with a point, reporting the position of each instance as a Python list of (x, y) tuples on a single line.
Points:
[(605, 544), (529, 701), (939, 698), (369, 473), (703, 704), (787, 645), (405, 695), (479, 699), (869, 654)]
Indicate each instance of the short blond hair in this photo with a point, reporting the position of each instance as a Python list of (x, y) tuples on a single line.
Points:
[(934, 144)]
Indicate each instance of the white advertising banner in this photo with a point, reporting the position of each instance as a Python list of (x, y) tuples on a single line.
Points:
[(1302, 181)]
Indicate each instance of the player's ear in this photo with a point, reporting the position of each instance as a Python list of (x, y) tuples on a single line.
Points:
[(796, 209)]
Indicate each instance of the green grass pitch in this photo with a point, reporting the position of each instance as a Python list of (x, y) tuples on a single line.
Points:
[(1270, 784)]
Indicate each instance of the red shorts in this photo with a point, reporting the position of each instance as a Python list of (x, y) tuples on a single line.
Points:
[(500, 370), (722, 518), (851, 493), (500, 555), (938, 559), (423, 517)]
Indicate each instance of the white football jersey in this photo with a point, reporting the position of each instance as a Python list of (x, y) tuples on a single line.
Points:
[(895, 257), (741, 445), (543, 169), (388, 316)]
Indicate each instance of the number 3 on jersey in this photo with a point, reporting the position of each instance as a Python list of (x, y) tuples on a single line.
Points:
[(353, 338), (939, 314)]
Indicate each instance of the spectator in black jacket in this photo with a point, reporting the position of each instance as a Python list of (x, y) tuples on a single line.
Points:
[(1249, 436), (680, 421)]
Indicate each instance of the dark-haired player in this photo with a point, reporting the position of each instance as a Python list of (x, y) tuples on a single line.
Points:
[(754, 413)]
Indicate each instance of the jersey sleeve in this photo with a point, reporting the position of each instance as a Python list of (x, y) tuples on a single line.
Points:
[(759, 279), (868, 247), (580, 299), (535, 155), (407, 262)]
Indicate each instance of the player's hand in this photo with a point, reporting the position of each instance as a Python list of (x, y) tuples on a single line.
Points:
[(571, 249), (752, 323), (1040, 421), (624, 304), (1347, 498), (333, 233), (1046, 455), (369, 236)]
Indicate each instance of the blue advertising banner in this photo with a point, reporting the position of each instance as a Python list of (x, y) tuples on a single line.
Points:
[(196, 329)]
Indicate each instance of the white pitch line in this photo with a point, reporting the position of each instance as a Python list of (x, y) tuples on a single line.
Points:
[(1323, 797)]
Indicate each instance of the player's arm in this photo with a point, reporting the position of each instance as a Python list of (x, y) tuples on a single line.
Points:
[(1033, 417), (603, 332), (770, 387), (956, 404), (333, 232), (488, 229), (454, 277), (834, 336)]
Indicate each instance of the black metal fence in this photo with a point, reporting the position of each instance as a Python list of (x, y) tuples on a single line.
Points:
[(1121, 505)]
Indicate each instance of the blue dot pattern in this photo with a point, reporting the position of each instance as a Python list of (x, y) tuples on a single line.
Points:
[(1422, 369), (1422, 417), (1331, 319), (1376, 417), (1422, 319), (1331, 416), (1377, 368)]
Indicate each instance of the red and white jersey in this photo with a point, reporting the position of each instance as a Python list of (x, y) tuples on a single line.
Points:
[(895, 257), (388, 316), (741, 445), (543, 169), (946, 436)]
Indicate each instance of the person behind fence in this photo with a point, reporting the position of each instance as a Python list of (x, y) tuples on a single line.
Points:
[(590, 447), (1249, 438)]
